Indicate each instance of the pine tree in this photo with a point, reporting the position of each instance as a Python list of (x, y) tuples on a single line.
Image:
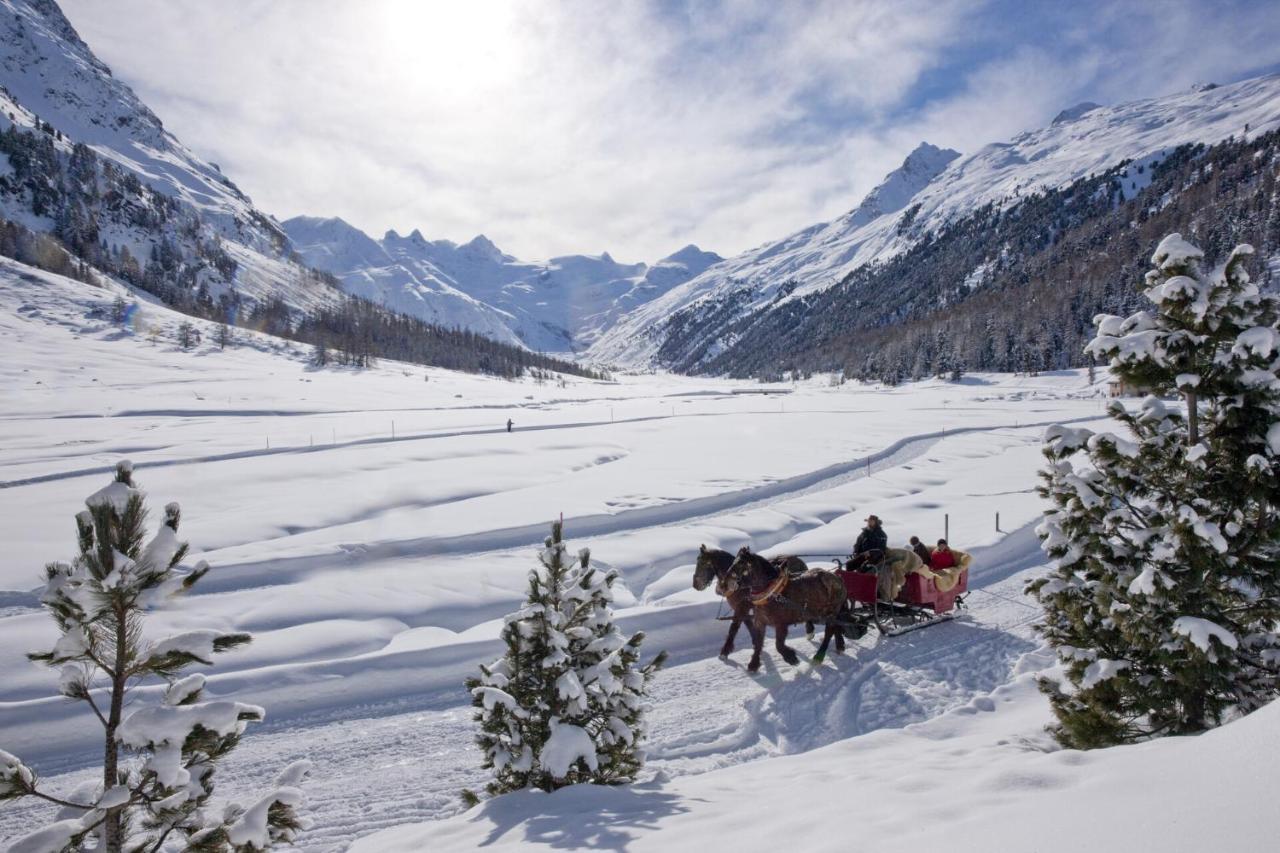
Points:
[(566, 703), (1164, 599), (188, 335), (99, 602)]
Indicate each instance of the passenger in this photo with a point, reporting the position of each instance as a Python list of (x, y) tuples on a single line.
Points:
[(922, 550), (942, 557), (871, 539)]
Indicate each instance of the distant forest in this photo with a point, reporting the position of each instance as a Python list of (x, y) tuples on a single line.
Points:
[(1010, 287)]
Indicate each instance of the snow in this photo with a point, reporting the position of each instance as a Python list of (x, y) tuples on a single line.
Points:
[(115, 495), (567, 745), (49, 839), (979, 778), (1201, 631), (1174, 251), (375, 574), (1101, 670), (251, 827), (198, 644), (1085, 139)]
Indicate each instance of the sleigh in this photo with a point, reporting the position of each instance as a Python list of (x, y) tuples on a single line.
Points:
[(919, 603)]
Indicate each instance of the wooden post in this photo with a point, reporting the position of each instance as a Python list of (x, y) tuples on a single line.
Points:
[(393, 429), (997, 522), (946, 526), (268, 442)]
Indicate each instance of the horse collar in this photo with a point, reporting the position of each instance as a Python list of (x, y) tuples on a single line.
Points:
[(773, 589)]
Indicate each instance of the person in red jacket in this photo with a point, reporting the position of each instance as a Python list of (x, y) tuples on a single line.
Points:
[(942, 558)]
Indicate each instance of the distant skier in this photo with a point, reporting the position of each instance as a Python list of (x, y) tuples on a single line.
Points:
[(510, 424)]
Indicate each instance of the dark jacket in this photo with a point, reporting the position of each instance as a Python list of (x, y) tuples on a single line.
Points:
[(871, 539), (922, 551)]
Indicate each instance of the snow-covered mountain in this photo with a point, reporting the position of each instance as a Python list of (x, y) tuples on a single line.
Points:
[(934, 187), (559, 305), (149, 193)]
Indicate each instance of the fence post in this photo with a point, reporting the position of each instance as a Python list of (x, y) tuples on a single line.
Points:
[(997, 522), (946, 526), (268, 442), (393, 429)]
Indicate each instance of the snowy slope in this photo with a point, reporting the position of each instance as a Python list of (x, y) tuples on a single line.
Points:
[(49, 75), (559, 305), (50, 71), (980, 778), (932, 188)]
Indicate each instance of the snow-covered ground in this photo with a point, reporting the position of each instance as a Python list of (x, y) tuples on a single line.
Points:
[(374, 568)]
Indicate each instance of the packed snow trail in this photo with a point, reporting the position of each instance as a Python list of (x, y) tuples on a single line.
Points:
[(289, 569)]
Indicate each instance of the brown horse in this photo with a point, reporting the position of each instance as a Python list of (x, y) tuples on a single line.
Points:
[(714, 564), (781, 600)]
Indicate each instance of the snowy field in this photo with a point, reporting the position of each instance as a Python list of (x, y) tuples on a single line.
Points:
[(371, 529)]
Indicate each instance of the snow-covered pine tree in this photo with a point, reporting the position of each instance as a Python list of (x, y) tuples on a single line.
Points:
[(157, 802), (566, 702), (1164, 599)]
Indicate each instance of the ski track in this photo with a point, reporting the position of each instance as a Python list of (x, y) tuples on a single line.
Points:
[(286, 570), (707, 713)]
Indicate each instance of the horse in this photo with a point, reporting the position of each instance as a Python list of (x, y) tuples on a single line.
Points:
[(713, 564), (781, 600)]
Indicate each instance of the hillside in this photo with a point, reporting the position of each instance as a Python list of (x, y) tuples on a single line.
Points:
[(1013, 288), (931, 192)]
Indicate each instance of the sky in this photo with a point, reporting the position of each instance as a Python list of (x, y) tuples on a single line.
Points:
[(583, 126)]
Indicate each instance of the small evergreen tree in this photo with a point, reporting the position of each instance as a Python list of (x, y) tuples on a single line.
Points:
[(565, 704), (98, 602), (223, 336), (320, 354), (1164, 599), (188, 335)]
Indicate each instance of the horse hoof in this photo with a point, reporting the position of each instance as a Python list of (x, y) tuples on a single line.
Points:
[(792, 658), (753, 667), (819, 658)]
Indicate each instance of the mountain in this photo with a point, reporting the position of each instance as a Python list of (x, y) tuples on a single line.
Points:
[(393, 279), (88, 162), (916, 202), (92, 185), (559, 305)]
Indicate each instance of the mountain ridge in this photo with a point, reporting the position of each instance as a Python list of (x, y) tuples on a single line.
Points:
[(816, 258), (558, 305)]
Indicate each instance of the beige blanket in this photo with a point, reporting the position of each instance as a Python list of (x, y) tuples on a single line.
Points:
[(945, 579), (897, 564)]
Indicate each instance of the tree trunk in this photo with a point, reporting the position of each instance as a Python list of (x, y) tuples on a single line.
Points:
[(1193, 419), (113, 826)]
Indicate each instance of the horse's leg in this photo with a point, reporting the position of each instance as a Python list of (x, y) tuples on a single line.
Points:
[(808, 630), (739, 613), (780, 641), (832, 628), (757, 643)]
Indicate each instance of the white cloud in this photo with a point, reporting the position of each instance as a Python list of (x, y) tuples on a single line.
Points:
[(585, 127)]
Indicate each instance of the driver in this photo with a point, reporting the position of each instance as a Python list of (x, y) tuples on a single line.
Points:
[(871, 539)]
